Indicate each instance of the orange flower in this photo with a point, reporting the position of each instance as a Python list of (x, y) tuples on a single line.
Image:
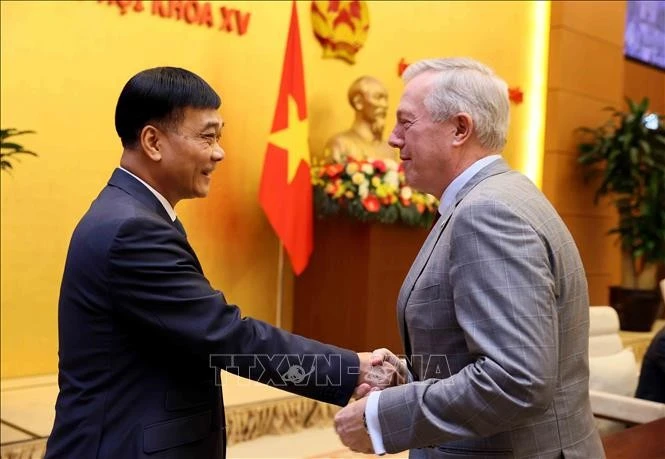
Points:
[(516, 95), (331, 188), (333, 170), (420, 208), (371, 203), (405, 202)]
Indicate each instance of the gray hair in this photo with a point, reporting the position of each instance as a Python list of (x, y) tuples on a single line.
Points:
[(466, 85)]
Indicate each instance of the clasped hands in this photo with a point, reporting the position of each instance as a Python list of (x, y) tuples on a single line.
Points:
[(378, 370)]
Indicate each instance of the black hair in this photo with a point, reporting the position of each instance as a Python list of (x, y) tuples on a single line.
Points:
[(159, 95)]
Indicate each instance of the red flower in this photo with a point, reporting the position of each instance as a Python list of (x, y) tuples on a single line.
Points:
[(405, 202), (401, 66), (371, 203), (379, 165), (332, 170), (516, 95), (420, 208)]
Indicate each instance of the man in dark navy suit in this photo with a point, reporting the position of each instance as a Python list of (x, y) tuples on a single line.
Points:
[(142, 333)]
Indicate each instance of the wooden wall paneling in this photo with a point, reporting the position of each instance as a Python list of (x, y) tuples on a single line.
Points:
[(600, 20), (566, 111), (586, 65), (641, 80), (347, 294), (564, 179), (586, 73), (597, 249)]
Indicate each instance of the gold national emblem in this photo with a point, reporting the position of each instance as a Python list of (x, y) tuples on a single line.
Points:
[(340, 27)]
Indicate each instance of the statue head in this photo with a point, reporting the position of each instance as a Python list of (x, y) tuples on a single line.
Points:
[(369, 99)]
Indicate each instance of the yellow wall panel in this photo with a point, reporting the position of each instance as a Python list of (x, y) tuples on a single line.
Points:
[(64, 64)]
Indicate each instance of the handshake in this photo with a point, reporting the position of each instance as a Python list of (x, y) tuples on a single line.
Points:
[(378, 370)]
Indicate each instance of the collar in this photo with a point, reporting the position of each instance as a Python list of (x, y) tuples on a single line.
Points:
[(450, 193), (167, 206)]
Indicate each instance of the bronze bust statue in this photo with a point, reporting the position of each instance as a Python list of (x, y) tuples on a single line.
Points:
[(369, 99)]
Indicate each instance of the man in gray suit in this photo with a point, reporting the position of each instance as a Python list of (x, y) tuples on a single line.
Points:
[(494, 311)]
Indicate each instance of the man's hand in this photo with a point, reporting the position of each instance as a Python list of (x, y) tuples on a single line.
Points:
[(374, 376), (351, 429), (383, 356)]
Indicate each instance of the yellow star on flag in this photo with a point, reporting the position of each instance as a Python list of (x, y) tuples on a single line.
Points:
[(293, 139)]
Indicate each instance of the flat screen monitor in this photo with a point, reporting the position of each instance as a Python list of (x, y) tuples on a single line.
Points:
[(645, 32)]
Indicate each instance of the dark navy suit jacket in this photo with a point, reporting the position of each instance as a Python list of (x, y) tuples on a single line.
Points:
[(142, 335)]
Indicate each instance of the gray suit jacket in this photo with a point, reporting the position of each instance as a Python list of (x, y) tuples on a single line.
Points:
[(494, 316)]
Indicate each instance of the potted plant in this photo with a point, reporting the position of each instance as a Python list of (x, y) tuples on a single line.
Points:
[(10, 150), (627, 155)]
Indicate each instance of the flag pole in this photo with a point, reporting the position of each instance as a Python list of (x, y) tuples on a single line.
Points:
[(280, 285)]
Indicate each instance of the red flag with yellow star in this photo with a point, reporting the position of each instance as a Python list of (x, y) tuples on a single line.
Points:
[(285, 192)]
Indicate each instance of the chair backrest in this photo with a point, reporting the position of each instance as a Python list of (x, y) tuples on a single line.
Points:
[(613, 374), (603, 332), (612, 368)]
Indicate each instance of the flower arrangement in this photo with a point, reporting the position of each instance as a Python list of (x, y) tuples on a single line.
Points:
[(370, 190)]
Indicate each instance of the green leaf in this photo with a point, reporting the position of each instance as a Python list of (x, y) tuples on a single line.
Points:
[(4, 133), (628, 163)]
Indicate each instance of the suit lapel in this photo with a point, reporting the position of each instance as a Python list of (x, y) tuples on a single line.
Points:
[(497, 167), (413, 274), (138, 190)]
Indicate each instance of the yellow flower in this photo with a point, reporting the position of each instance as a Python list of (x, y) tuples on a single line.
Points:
[(391, 178), (357, 178), (376, 181), (391, 164), (367, 168), (406, 193), (349, 194), (363, 190), (351, 168)]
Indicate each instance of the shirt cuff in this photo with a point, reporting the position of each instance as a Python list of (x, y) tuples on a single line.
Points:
[(373, 424)]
